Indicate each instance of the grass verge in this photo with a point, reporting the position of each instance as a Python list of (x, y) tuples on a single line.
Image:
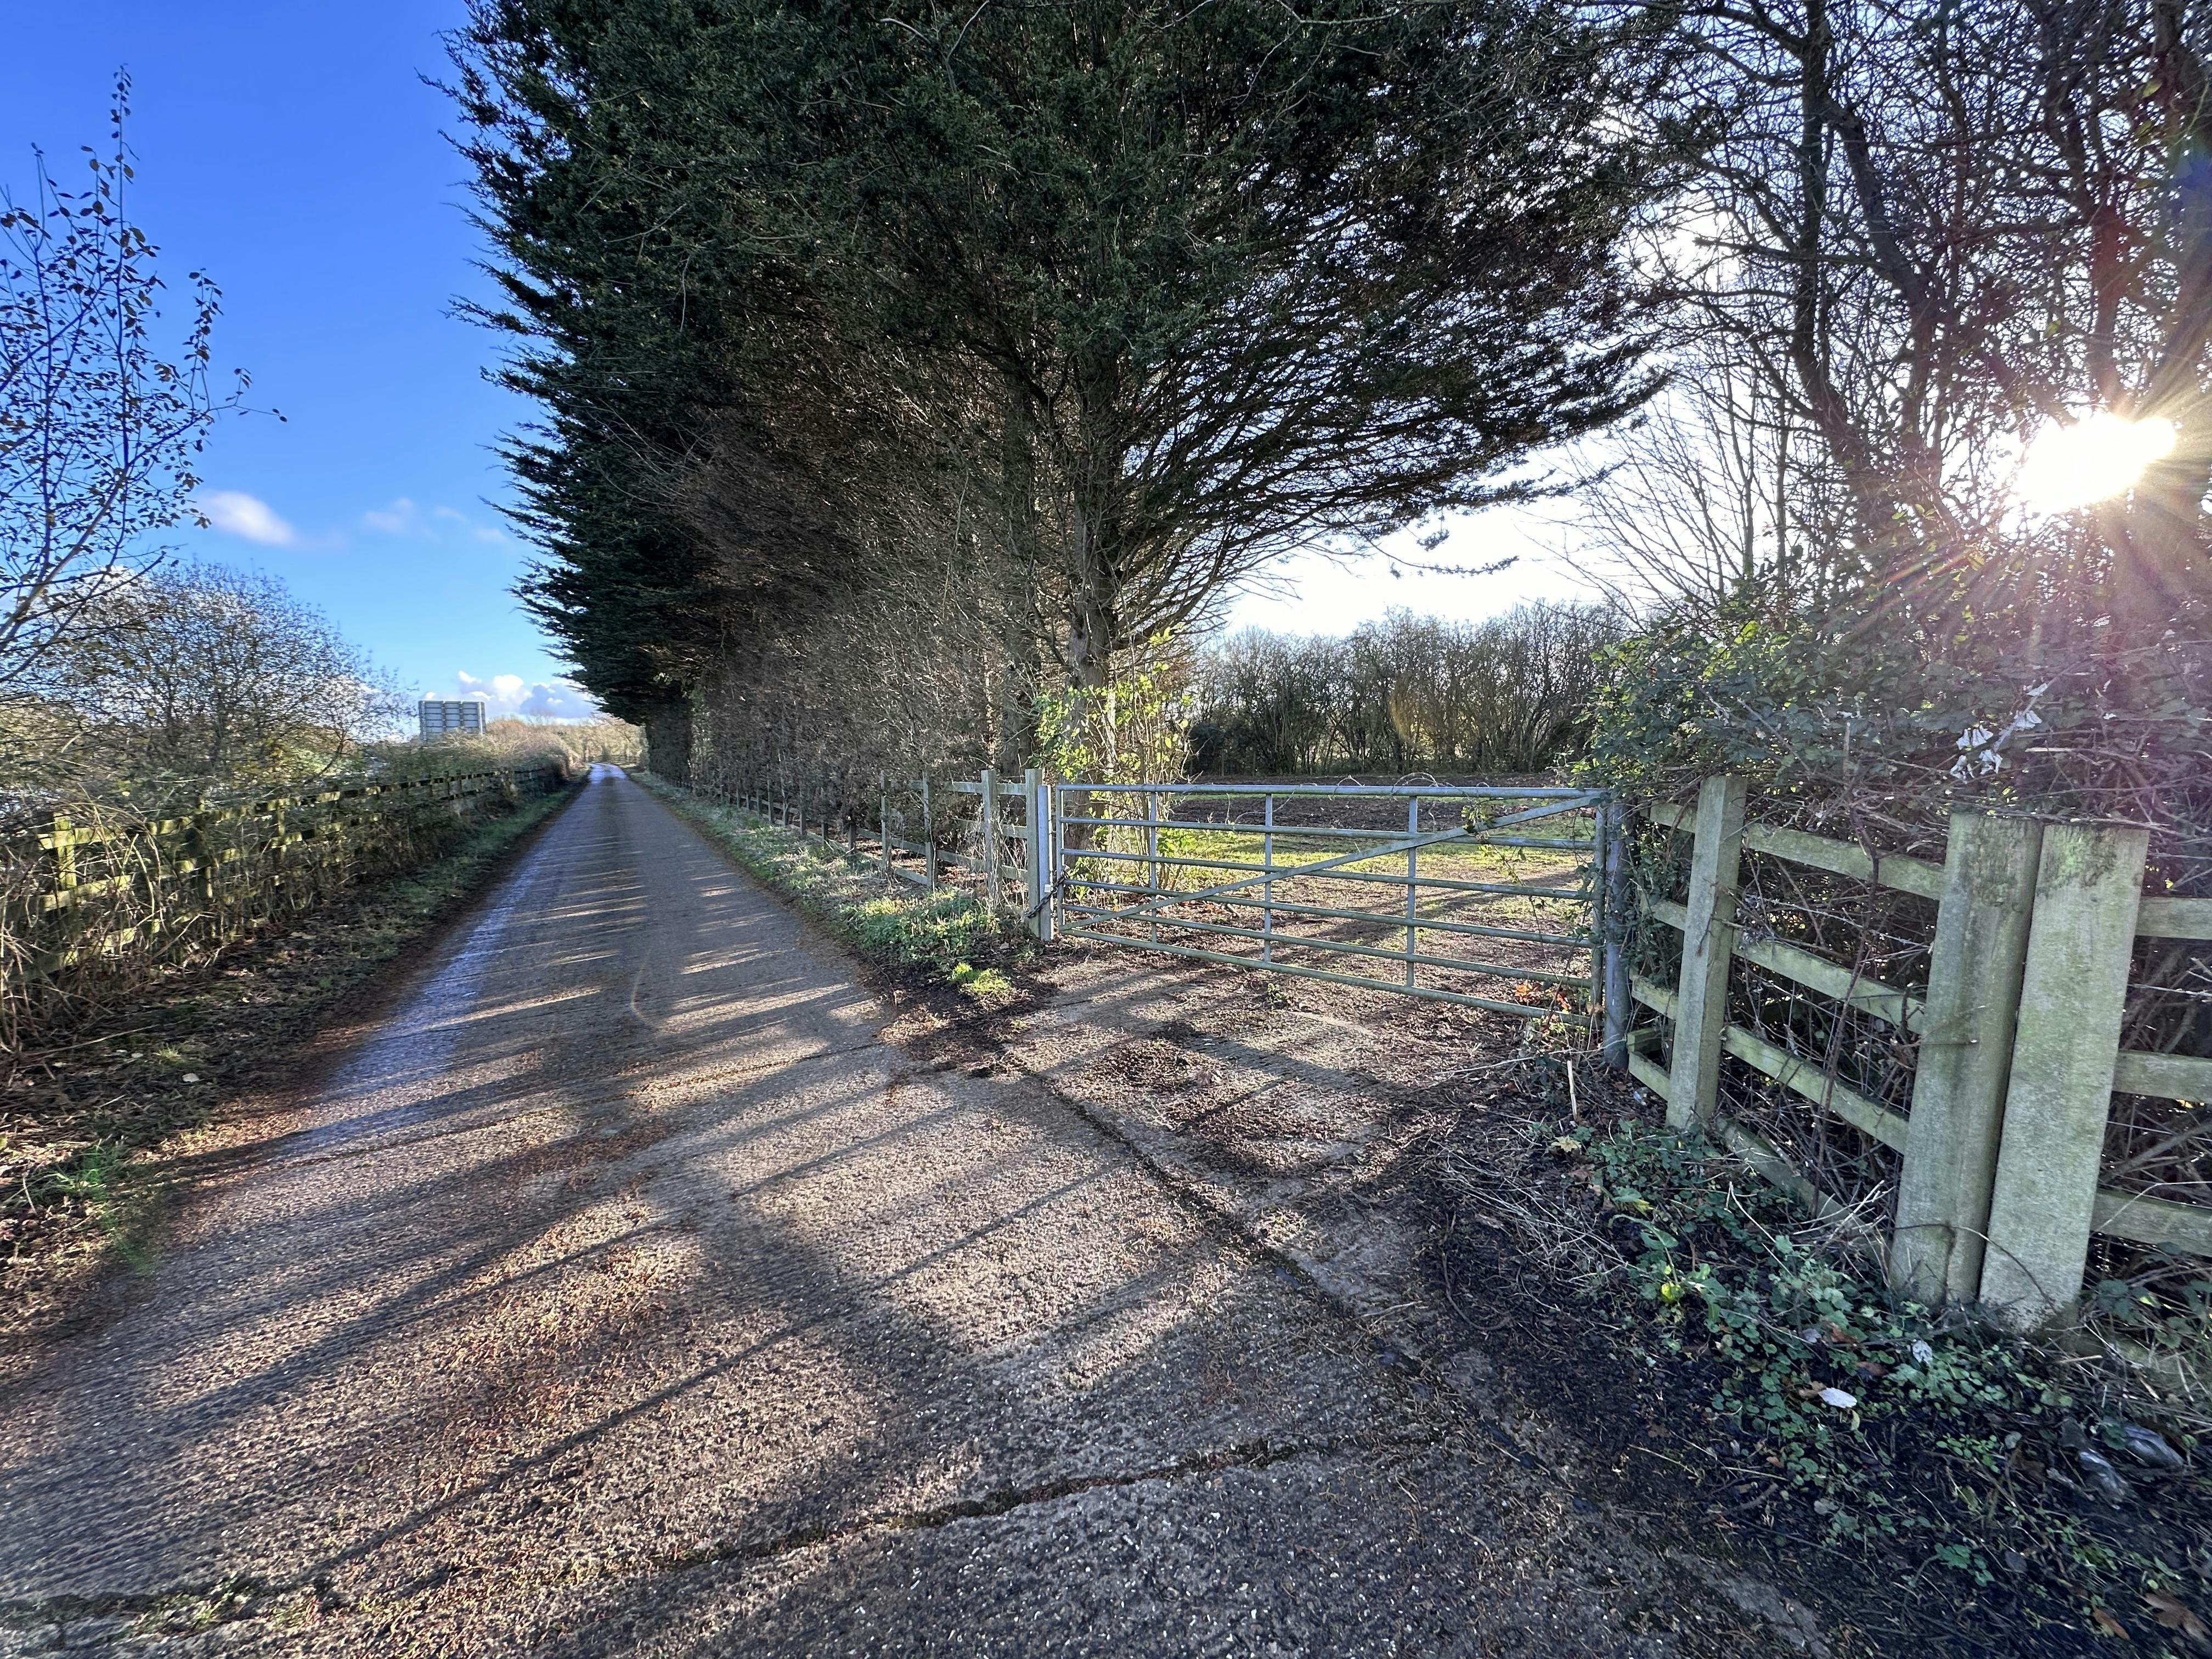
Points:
[(1746, 1368), (85, 1113), (947, 938)]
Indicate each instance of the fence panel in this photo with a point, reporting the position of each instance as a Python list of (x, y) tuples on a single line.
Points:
[(81, 894), (930, 831)]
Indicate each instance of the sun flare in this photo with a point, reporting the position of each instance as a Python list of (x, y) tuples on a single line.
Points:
[(2091, 460)]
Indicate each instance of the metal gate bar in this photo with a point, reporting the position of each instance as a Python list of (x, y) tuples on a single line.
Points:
[(1437, 924), (1086, 828)]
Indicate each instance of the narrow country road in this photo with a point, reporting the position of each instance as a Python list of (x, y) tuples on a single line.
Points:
[(630, 1292)]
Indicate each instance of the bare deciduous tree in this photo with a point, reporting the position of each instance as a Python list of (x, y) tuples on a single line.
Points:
[(100, 427), (201, 676), (1926, 233)]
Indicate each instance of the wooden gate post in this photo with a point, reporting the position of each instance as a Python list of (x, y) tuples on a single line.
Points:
[(1033, 863), (2073, 994), (1694, 1077), (1967, 1035), (1611, 940)]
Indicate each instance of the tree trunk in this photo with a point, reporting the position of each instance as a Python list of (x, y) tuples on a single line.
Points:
[(668, 741)]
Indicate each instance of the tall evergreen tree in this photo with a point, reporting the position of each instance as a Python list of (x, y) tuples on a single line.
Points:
[(1131, 296)]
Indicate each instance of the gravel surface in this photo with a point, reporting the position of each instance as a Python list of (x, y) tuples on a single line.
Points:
[(630, 1292)]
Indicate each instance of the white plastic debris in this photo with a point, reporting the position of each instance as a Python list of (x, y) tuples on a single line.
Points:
[(1980, 748), (1923, 1354), (1839, 1399)]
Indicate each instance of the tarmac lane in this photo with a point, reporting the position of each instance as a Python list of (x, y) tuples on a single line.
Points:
[(627, 1292)]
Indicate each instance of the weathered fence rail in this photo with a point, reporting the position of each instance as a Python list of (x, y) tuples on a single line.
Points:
[(2016, 1044), (82, 891)]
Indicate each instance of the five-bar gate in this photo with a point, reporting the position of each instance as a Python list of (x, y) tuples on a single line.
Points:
[(1489, 897)]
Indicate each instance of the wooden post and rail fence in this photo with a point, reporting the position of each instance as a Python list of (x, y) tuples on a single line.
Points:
[(2017, 1041), (83, 890)]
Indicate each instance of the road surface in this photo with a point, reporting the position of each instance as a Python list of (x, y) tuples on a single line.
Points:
[(627, 1291)]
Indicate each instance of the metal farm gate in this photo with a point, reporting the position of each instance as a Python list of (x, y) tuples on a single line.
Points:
[(1489, 897)]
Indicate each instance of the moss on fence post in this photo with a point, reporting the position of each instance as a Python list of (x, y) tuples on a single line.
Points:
[(2073, 994)]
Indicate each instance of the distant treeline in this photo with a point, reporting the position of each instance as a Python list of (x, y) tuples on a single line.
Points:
[(1511, 695)]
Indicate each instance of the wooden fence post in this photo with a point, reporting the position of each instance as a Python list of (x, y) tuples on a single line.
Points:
[(1033, 866), (1612, 941), (928, 837), (1966, 1034), (2073, 994), (201, 851), (988, 824), (883, 845), (1694, 1077), (64, 834)]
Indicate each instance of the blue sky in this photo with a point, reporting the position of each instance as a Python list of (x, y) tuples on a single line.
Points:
[(293, 152)]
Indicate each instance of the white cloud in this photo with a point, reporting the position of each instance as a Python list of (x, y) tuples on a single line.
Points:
[(400, 519), (559, 700), (404, 517), (237, 514), (510, 696)]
